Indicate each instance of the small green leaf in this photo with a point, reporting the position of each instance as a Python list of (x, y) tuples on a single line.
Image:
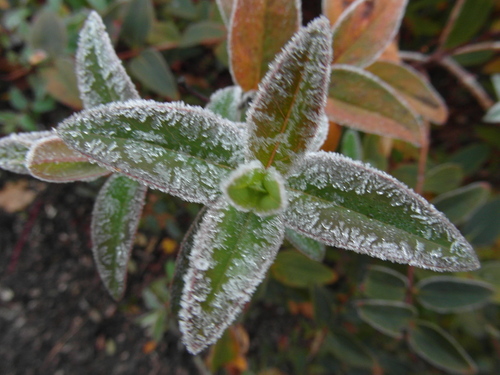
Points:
[(459, 204), (389, 317), (115, 218), (182, 150), (202, 33), (440, 349), (15, 147), (471, 158), (365, 29), (48, 33), (101, 76), (231, 253), (294, 269), (153, 72), (483, 227), (385, 283), (363, 101), (414, 88), (324, 302), (61, 82), (350, 205), (443, 178), (287, 111), (351, 145), (138, 22), (257, 32), (50, 159), (452, 294), (226, 102), (490, 272), (164, 34), (311, 248), (472, 16), (253, 188), (349, 349)]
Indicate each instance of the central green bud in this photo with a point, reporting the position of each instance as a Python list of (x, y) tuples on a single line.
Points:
[(253, 188)]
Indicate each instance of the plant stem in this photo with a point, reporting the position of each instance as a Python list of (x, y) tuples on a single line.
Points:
[(455, 12)]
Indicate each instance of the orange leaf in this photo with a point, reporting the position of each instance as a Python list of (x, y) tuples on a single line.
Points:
[(332, 9), (257, 32), (333, 138), (149, 347), (15, 196)]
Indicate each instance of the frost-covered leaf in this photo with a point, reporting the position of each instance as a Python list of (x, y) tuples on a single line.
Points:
[(257, 31), (294, 269), (459, 204), (307, 246), (285, 115), (440, 349), (363, 101), (115, 218), (182, 150), (101, 76), (232, 251), (333, 9), (452, 294), (15, 147), (153, 72), (388, 317), (385, 283), (365, 29), (50, 159), (226, 102), (414, 87), (350, 205)]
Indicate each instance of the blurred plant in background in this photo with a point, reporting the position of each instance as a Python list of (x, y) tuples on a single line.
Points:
[(381, 106)]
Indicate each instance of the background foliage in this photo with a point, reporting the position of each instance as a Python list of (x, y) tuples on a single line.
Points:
[(350, 314)]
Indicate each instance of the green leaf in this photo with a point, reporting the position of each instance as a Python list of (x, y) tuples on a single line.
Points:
[(440, 349), (351, 145), (311, 248), (61, 82), (490, 272), (287, 111), (452, 294), (389, 317), (363, 101), (182, 150), (226, 103), (232, 251), (48, 33), (459, 204), (101, 76), (471, 158), (348, 349), (443, 178), (472, 16), (294, 269), (164, 34), (153, 72), (385, 283), (50, 159), (115, 218), (257, 32), (15, 147), (373, 151), (324, 302), (414, 88), (483, 227), (202, 33), (493, 114), (350, 205), (365, 29), (138, 22)]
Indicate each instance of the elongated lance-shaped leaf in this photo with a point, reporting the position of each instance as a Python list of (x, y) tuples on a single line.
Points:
[(333, 9), (307, 246), (365, 29), (175, 148), (227, 103), (348, 204), (414, 87), (232, 251), (388, 317), (101, 76), (361, 100), (257, 32), (117, 212), (50, 159), (15, 147), (285, 115)]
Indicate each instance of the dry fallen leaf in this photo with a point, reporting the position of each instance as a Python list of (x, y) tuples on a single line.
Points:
[(16, 196)]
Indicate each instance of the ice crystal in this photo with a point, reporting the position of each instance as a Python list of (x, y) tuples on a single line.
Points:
[(215, 290), (14, 149), (226, 102)]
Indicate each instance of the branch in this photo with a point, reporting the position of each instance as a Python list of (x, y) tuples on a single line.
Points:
[(455, 12), (483, 46)]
